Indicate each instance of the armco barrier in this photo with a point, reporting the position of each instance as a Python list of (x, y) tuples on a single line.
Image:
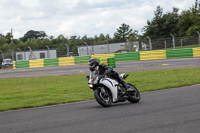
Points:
[(51, 62), (21, 64), (110, 59), (196, 52), (179, 53), (153, 55), (14, 64), (133, 56), (36, 63), (111, 62), (104, 60), (80, 60), (64, 61), (102, 56)]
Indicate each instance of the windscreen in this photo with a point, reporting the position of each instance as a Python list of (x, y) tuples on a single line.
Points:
[(94, 77)]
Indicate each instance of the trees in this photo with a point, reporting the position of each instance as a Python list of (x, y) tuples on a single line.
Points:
[(162, 25), (185, 24), (31, 34), (3, 39), (189, 22), (153, 28), (123, 32)]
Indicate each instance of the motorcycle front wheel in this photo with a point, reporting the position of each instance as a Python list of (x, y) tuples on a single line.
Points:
[(133, 97), (103, 97)]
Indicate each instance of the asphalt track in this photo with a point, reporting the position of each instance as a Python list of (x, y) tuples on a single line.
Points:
[(175, 110), (120, 67)]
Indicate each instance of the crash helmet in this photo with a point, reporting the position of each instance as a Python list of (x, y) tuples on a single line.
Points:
[(93, 64)]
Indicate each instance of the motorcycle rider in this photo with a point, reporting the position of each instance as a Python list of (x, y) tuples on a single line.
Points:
[(103, 69)]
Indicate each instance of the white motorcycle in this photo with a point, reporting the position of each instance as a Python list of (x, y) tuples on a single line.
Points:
[(108, 91)]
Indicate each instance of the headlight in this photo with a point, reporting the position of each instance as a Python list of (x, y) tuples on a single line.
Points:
[(90, 85)]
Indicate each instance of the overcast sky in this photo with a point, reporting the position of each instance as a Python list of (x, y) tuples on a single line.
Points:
[(80, 17)]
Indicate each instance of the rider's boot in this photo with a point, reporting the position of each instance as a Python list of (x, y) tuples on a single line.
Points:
[(129, 89)]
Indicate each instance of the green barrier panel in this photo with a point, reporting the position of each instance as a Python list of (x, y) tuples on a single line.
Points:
[(51, 62), (111, 62), (134, 56), (99, 60), (80, 60), (179, 53), (22, 64)]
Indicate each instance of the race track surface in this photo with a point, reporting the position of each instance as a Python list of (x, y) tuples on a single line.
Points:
[(120, 67), (175, 110)]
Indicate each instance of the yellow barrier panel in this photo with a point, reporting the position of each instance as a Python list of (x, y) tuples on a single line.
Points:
[(36, 63), (64, 61), (196, 52), (153, 55), (14, 65), (102, 56), (104, 60)]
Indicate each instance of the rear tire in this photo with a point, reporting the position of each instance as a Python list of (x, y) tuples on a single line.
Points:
[(103, 98), (134, 97)]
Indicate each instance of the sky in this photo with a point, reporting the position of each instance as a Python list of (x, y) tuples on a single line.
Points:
[(80, 17)]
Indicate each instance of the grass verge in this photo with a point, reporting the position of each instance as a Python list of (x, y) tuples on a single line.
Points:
[(40, 91)]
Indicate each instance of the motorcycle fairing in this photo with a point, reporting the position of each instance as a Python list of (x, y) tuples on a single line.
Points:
[(112, 86)]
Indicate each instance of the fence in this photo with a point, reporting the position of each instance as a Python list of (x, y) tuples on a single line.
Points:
[(167, 43)]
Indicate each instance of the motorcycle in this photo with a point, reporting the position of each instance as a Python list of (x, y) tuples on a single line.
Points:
[(108, 90)]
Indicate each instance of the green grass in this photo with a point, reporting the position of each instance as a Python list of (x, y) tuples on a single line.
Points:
[(40, 91), (187, 46)]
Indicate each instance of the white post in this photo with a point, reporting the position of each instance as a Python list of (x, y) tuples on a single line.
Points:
[(128, 45), (87, 48), (199, 37), (108, 46), (173, 40), (149, 43), (67, 49), (2, 55), (48, 52), (20, 52)]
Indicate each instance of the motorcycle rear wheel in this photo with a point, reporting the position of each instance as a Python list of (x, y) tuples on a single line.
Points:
[(133, 97), (103, 98)]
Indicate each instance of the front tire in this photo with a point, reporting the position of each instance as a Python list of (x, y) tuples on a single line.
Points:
[(134, 97), (103, 97)]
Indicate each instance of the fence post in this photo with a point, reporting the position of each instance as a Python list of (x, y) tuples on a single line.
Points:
[(128, 45), (67, 49), (199, 37), (108, 46), (2, 55), (12, 53), (48, 52), (20, 53), (173, 40), (150, 44), (181, 42), (87, 48)]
